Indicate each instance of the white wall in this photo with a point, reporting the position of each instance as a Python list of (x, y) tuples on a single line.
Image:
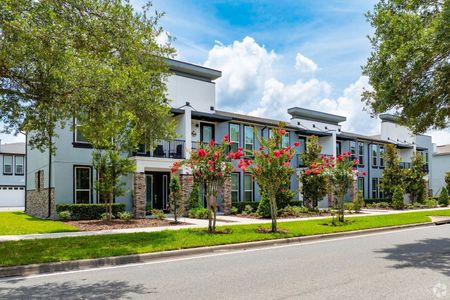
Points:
[(392, 131), (315, 125), (440, 165)]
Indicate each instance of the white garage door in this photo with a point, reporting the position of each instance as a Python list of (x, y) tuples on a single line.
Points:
[(12, 196)]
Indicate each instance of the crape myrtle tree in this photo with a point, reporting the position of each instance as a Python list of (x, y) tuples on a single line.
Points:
[(313, 185), (211, 165), (393, 174), (271, 167), (409, 67)]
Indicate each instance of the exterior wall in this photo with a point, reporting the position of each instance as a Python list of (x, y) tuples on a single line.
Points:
[(396, 133), (37, 200), (200, 94), (440, 165)]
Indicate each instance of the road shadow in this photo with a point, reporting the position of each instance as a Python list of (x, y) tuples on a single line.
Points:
[(431, 254), (74, 290)]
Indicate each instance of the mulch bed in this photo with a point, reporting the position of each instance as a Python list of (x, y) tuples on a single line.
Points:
[(93, 225)]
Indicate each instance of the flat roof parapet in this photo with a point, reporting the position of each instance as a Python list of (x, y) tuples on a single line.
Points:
[(313, 115)]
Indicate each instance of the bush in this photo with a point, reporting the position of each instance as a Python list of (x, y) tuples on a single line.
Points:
[(104, 216), (65, 215), (284, 197), (293, 211), (443, 197), (234, 210), (377, 200), (194, 196), (241, 205), (158, 214), (349, 206), (198, 213), (431, 203), (264, 208), (175, 197), (125, 216), (418, 205), (89, 211), (248, 209), (358, 202), (397, 198)]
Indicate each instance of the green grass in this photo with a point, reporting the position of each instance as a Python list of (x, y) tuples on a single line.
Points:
[(62, 249), (12, 223)]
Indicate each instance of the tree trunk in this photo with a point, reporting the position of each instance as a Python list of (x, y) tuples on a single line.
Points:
[(273, 211), (110, 201)]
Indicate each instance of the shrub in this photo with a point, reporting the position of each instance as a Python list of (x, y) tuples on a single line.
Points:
[(241, 205), (293, 211), (234, 210), (431, 203), (349, 206), (358, 202), (158, 214), (175, 197), (284, 197), (443, 197), (397, 198), (418, 205), (248, 209), (105, 216), (296, 203), (264, 208), (89, 211), (198, 213), (65, 215), (377, 200), (125, 216), (194, 196)]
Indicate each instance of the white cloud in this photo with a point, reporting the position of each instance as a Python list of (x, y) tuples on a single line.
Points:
[(305, 65), (245, 66)]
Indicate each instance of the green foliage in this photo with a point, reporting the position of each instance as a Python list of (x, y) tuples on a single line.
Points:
[(106, 216), (248, 209), (293, 211), (284, 196), (379, 205), (393, 175), (349, 206), (234, 210), (175, 197), (158, 214), (198, 213), (414, 178), (431, 203), (447, 180), (397, 198), (194, 196), (313, 187), (377, 200), (125, 216), (358, 201), (264, 207), (12, 223), (443, 197), (409, 66), (241, 205), (89, 211), (65, 215)]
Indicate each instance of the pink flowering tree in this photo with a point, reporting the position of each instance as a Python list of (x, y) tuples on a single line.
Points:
[(211, 165), (271, 167), (340, 173)]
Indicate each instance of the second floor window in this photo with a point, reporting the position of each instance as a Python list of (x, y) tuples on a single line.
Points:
[(7, 164), (381, 156), (286, 139), (249, 138), (361, 153), (374, 155), (353, 149), (79, 137), (234, 136), (19, 165)]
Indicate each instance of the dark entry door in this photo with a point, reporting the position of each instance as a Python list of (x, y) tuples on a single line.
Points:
[(158, 190)]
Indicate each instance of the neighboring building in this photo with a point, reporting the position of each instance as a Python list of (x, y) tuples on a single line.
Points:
[(192, 91), (441, 166), (12, 175)]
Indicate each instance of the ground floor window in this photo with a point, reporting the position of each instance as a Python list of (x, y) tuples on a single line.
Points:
[(248, 187), (361, 184), (235, 187), (82, 184), (375, 188)]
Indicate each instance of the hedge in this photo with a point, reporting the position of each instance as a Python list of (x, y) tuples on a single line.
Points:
[(89, 211), (241, 205), (377, 200)]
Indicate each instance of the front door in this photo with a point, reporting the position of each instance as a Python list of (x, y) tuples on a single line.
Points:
[(206, 132), (157, 185)]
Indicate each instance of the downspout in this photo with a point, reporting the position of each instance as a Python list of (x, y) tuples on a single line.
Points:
[(26, 169), (369, 181), (50, 179)]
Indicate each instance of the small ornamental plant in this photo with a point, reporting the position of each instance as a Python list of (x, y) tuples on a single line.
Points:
[(211, 166), (339, 172), (271, 167)]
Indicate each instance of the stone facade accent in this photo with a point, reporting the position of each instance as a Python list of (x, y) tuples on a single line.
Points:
[(37, 203), (139, 195), (187, 181), (226, 196)]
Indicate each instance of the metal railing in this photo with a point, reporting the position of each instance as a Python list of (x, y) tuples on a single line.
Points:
[(165, 149)]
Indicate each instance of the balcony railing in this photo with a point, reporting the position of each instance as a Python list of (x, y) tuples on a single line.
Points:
[(407, 165), (165, 149)]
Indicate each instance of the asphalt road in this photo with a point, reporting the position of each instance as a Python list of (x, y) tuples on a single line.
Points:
[(408, 264)]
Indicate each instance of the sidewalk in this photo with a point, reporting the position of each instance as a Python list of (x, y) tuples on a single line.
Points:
[(194, 223)]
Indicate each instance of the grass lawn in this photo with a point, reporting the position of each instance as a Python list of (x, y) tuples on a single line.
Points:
[(61, 249), (12, 223)]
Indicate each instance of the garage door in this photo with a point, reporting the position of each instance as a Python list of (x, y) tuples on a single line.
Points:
[(12, 196)]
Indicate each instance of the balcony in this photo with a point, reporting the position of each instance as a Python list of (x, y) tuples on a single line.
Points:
[(407, 165), (165, 149)]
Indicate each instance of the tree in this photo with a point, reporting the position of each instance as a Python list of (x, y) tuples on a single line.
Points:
[(443, 197), (175, 197), (212, 166), (447, 180), (65, 59), (313, 187), (194, 196), (409, 67), (414, 178), (397, 198), (271, 167), (358, 201), (393, 174)]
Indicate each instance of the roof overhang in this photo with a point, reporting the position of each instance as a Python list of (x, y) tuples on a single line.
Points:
[(313, 132), (191, 69), (209, 117), (312, 115)]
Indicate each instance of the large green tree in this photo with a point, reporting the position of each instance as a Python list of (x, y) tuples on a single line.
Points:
[(414, 178), (84, 59), (393, 174), (409, 67)]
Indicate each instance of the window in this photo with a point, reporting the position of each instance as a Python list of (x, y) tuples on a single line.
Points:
[(374, 155), (19, 165), (361, 184), (361, 153), (249, 138), (79, 138), (375, 188), (381, 156), (39, 177), (353, 150), (248, 187), (82, 185), (7, 164), (425, 159), (235, 187), (301, 150), (285, 140), (206, 132), (234, 137), (338, 148)]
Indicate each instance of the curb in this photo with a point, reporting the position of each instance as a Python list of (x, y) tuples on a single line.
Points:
[(27, 270)]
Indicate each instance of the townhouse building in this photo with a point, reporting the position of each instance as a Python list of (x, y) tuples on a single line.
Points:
[(441, 166), (12, 175), (191, 89)]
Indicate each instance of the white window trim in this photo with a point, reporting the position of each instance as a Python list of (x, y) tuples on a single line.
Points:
[(76, 133), (22, 164), (11, 165)]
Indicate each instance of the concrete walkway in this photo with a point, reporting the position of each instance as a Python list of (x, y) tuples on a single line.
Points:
[(194, 223)]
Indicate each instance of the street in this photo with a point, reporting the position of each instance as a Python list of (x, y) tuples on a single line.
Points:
[(407, 264)]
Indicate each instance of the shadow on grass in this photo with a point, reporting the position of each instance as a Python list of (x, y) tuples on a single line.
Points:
[(431, 254), (75, 290)]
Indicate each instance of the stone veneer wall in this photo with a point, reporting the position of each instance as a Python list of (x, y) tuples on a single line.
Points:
[(37, 199), (187, 181), (139, 195), (226, 196)]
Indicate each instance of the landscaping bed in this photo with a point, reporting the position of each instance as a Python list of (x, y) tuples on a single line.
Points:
[(93, 225)]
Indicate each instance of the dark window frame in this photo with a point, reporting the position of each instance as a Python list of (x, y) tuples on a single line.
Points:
[(12, 164), (15, 165), (202, 125), (245, 137), (239, 135), (360, 147), (253, 188), (74, 182), (375, 158), (239, 186)]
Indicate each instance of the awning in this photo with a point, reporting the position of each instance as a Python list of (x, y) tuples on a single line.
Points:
[(312, 132), (197, 115)]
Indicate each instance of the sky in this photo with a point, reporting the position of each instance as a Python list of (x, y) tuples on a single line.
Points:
[(278, 54)]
